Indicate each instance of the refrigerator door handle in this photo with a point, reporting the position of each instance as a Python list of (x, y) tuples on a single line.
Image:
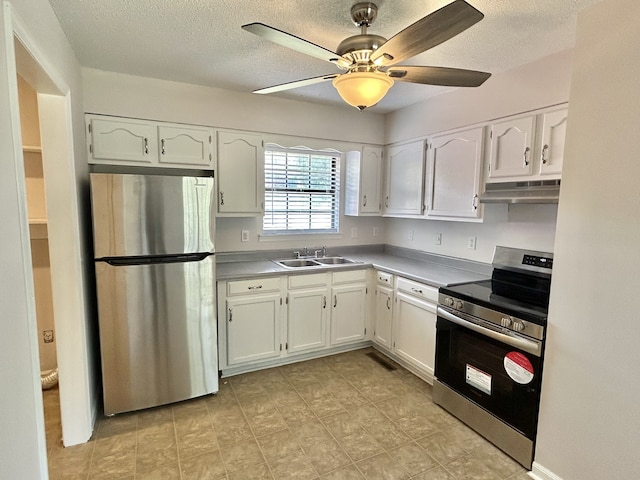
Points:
[(149, 260)]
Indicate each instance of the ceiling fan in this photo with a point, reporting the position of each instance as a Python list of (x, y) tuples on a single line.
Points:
[(370, 60)]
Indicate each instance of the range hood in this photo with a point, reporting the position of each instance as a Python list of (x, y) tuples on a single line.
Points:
[(544, 191)]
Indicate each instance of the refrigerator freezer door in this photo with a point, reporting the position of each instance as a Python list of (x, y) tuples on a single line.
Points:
[(151, 214), (157, 333)]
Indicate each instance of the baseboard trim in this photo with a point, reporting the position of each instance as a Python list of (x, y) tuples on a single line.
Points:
[(538, 472)]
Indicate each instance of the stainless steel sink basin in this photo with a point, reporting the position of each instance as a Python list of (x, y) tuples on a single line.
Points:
[(298, 262), (333, 260)]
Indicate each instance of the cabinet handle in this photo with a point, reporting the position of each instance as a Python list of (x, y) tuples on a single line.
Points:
[(221, 198), (230, 315), (388, 303), (146, 146), (543, 156), (162, 146), (335, 301), (415, 290), (324, 301), (364, 203), (386, 201), (526, 154), (255, 287), (475, 202)]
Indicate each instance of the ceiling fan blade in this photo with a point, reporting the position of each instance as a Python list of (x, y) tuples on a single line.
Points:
[(427, 33), (442, 76), (295, 43), (297, 84)]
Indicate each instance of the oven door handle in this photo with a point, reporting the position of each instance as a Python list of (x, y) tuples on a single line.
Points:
[(529, 346)]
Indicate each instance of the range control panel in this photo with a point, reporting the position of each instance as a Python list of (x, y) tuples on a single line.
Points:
[(536, 261)]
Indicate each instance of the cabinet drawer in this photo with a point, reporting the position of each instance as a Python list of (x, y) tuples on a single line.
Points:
[(313, 280), (350, 276), (418, 289), (258, 285), (384, 278)]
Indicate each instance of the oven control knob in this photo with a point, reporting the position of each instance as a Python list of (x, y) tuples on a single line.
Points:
[(506, 322), (458, 304), (517, 325), (448, 301)]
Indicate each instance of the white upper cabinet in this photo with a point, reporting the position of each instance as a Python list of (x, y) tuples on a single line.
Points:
[(404, 181), (455, 169), (185, 145), (531, 147), (553, 127), (240, 174), (512, 148), (363, 191), (127, 141)]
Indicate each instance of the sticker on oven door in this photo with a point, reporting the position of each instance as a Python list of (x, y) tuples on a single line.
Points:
[(479, 379), (518, 367)]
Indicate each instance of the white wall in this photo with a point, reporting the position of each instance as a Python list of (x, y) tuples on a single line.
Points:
[(529, 87), (590, 414), (22, 449)]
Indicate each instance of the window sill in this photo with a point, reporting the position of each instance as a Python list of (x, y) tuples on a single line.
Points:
[(278, 237)]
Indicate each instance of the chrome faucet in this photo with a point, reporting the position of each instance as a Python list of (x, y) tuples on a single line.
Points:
[(322, 250), (304, 253)]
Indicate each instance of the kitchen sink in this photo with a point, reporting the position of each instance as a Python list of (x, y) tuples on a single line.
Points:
[(314, 262), (333, 260), (298, 262)]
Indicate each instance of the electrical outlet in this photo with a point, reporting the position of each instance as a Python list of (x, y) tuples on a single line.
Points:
[(438, 239), (354, 232), (244, 236), (376, 231), (410, 236), (47, 336), (471, 243)]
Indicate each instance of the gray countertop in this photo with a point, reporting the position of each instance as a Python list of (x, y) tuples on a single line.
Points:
[(430, 269)]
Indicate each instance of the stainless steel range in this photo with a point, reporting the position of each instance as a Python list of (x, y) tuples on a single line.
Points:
[(489, 350)]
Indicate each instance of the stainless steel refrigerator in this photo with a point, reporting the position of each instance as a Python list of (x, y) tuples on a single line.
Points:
[(155, 280)]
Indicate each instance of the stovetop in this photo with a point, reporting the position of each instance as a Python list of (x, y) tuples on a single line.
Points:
[(519, 285), (481, 293)]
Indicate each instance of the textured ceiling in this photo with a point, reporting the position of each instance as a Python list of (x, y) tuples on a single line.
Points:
[(201, 42)]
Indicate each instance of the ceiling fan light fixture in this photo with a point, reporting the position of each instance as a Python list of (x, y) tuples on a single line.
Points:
[(362, 89)]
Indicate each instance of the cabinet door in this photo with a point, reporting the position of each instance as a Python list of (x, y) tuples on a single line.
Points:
[(414, 331), (405, 180), (185, 145), (348, 313), (308, 314), (122, 141), (512, 148), (554, 129), (455, 163), (383, 316), (371, 180), (253, 328), (240, 174)]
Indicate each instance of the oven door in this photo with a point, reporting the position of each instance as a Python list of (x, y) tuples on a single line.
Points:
[(498, 370)]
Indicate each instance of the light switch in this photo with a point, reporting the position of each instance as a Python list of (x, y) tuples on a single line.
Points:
[(244, 237)]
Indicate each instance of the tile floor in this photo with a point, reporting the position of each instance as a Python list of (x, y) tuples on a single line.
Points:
[(339, 417)]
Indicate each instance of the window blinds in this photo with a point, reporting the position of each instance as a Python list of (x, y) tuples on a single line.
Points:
[(301, 191)]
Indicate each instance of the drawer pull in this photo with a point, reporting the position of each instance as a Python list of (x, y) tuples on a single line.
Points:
[(254, 287), (415, 290)]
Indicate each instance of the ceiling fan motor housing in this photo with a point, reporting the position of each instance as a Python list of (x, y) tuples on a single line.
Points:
[(364, 13)]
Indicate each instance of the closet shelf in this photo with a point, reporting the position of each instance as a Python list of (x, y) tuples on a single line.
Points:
[(32, 148)]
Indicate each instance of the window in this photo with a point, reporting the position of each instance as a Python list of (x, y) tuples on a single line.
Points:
[(301, 191)]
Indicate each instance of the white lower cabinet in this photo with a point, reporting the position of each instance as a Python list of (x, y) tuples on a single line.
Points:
[(348, 312), (253, 328), (267, 321), (405, 322), (414, 337), (308, 312), (383, 316)]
